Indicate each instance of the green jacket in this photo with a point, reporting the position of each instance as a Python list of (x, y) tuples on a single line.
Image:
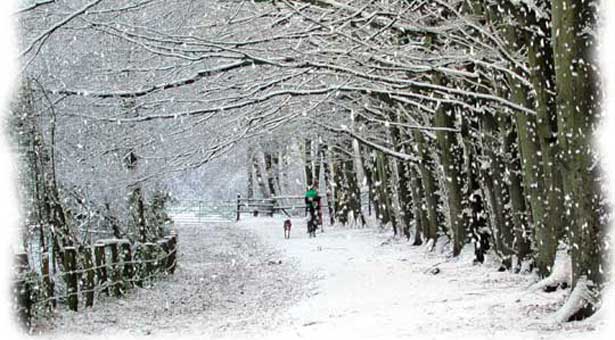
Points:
[(310, 198), (312, 193)]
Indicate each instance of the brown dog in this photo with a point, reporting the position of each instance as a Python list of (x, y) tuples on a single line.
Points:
[(287, 226)]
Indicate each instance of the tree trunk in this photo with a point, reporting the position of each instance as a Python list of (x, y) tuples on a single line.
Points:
[(474, 216), (403, 172), (520, 233), (338, 192), (429, 186), (317, 162), (578, 109), (540, 59), (353, 192), (259, 176), (250, 174), (275, 164), (383, 194), (420, 218), (309, 174), (405, 196), (451, 155), (368, 170), (495, 189), (328, 182), (270, 174), (347, 194), (534, 188)]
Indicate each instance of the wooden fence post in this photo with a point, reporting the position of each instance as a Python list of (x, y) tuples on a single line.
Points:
[(238, 206), (139, 268), (164, 245), (90, 276), (70, 264), (149, 260), (47, 280), (116, 271), (171, 259), (101, 266), (272, 210), (128, 272), (23, 291)]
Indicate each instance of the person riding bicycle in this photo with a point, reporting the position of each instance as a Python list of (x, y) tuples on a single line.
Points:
[(312, 207)]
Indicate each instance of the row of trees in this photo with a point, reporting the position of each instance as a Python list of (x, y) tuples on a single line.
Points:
[(468, 120), (59, 210), (58, 216), (484, 131)]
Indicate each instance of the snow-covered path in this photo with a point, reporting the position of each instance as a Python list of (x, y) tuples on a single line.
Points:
[(227, 282), (244, 281), (371, 286)]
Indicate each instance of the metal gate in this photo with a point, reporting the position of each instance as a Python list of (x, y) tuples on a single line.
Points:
[(198, 212)]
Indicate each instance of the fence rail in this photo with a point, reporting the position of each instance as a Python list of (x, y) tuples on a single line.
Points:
[(201, 211), (229, 210), (269, 206), (109, 267)]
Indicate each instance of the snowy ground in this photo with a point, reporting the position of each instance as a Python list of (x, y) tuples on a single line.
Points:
[(374, 287), (345, 283), (227, 282)]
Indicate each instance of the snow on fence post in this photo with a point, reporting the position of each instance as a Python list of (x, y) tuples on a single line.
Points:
[(47, 280), (23, 291), (238, 206), (128, 271), (101, 266), (70, 264), (90, 276), (116, 272)]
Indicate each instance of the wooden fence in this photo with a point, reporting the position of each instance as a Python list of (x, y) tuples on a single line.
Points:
[(287, 205), (109, 267)]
